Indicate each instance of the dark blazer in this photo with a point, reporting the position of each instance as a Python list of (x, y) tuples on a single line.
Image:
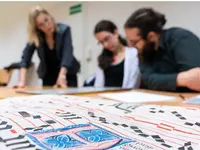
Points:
[(63, 48), (179, 50)]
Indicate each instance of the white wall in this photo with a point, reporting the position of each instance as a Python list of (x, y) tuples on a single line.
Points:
[(13, 26)]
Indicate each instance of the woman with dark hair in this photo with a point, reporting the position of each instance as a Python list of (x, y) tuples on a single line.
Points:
[(118, 64), (169, 58)]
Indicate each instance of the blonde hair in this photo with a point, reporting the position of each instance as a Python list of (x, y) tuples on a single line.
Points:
[(34, 37)]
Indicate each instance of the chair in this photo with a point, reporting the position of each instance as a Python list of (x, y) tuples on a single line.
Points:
[(5, 76)]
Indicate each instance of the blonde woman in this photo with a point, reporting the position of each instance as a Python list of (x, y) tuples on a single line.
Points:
[(58, 67)]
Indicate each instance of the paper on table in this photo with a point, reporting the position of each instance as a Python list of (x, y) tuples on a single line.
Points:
[(193, 100), (137, 97)]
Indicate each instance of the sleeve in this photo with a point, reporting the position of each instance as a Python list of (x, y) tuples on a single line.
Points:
[(186, 52), (99, 78), (27, 55), (67, 53), (155, 81)]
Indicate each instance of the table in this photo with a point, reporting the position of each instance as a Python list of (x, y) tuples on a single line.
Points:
[(6, 92)]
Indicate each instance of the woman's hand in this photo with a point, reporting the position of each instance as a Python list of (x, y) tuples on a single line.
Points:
[(22, 79), (61, 82), (19, 85)]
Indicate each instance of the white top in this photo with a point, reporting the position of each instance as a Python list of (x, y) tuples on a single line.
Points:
[(132, 77)]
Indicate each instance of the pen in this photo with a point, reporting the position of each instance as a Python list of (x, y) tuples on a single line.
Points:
[(182, 97)]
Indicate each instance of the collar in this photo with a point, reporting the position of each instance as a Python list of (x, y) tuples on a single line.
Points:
[(162, 40)]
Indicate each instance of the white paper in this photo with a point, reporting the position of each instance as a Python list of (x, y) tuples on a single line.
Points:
[(137, 97), (193, 100)]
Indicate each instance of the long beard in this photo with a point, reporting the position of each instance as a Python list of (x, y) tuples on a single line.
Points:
[(148, 52)]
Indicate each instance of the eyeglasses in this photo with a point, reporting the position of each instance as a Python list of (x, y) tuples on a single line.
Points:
[(134, 42), (106, 39)]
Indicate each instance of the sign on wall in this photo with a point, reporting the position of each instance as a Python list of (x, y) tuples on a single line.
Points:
[(75, 9)]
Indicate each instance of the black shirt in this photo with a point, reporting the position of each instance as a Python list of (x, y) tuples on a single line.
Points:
[(114, 75), (52, 61), (179, 50), (53, 69)]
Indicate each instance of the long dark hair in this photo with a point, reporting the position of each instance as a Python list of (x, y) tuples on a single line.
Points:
[(106, 57), (147, 20)]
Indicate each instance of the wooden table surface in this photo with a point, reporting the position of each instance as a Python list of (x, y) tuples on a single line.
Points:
[(6, 92)]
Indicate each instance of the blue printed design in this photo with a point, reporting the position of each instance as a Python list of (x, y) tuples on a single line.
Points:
[(61, 141), (123, 139), (96, 135), (64, 141)]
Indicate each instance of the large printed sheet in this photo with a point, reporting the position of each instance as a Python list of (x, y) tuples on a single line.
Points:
[(69, 122)]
